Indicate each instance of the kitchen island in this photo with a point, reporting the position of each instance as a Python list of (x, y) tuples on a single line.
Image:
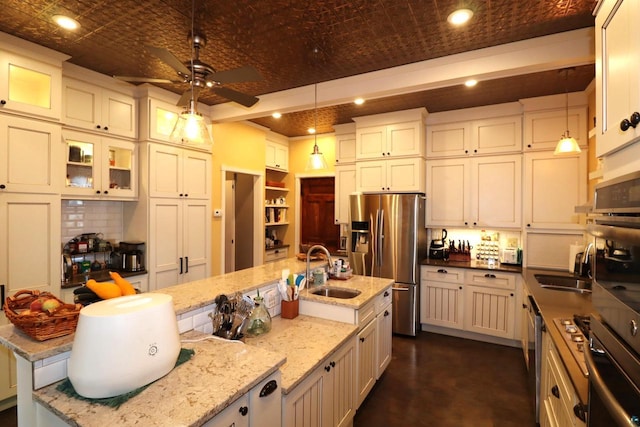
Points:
[(218, 374)]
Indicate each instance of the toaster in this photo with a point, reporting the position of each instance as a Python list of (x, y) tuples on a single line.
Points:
[(135, 336)]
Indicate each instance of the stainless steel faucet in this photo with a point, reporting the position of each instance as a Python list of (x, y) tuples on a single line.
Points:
[(311, 249), (585, 265)]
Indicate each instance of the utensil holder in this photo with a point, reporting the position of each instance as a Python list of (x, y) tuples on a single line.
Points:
[(289, 309)]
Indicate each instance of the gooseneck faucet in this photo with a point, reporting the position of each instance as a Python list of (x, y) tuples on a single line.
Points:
[(311, 249)]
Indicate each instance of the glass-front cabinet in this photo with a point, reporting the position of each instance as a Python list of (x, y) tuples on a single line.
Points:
[(98, 167)]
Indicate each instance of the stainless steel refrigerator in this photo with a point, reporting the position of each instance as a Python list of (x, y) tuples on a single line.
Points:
[(387, 238)]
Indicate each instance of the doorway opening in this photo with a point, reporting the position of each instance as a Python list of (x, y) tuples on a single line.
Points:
[(317, 213), (239, 221)]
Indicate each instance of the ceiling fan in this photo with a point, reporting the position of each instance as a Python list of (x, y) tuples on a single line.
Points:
[(200, 75)]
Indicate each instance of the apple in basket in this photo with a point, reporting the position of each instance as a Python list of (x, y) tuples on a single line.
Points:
[(43, 304)]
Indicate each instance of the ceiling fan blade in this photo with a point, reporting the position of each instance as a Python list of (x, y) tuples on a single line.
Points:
[(235, 96), (169, 59), (237, 75), (186, 97), (145, 79)]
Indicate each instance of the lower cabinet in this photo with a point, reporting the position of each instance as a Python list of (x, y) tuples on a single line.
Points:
[(8, 381), (326, 397), (367, 363), (385, 333), (478, 301), (271, 255), (236, 415), (558, 397)]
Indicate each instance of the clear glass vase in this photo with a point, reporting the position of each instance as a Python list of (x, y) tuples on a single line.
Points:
[(259, 319)]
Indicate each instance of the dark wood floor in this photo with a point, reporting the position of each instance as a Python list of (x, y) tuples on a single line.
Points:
[(440, 381)]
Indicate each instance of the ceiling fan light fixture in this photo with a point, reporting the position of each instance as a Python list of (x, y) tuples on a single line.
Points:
[(460, 17), (66, 22), (191, 128)]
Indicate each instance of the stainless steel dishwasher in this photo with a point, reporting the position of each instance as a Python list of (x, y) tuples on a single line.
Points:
[(535, 327)]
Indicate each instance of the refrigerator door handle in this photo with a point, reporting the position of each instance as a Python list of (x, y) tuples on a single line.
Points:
[(380, 236)]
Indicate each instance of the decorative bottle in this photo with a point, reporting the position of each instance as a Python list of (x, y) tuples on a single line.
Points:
[(259, 319)]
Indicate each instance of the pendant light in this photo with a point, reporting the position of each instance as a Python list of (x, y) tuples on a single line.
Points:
[(190, 128), (316, 159), (567, 144)]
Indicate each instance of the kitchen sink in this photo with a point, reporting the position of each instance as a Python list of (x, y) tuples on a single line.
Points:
[(564, 283), (334, 292)]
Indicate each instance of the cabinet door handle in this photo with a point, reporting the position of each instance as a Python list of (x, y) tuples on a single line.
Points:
[(2, 297), (243, 410), (580, 412), (186, 263), (386, 293), (106, 191), (555, 391), (327, 368), (386, 313), (3, 102), (180, 265), (98, 126), (2, 186), (268, 388), (333, 364), (106, 128), (97, 191), (362, 339)]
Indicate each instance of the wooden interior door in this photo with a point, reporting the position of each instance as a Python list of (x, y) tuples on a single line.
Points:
[(317, 225)]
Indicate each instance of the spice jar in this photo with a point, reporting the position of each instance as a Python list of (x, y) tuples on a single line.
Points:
[(259, 319)]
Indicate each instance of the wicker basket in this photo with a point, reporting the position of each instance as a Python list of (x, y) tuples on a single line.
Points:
[(42, 325)]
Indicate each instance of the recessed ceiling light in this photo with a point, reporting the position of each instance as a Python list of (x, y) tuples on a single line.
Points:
[(276, 115), (66, 22), (471, 83), (311, 130), (358, 101), (460, 16)]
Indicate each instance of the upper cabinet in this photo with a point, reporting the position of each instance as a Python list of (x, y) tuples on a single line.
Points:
[(179, 172), (345, 143), (277, 156), (617, 70), (485, 130), (543, 129), (29, 86), (99, 167), (162, 117), (391, 175), (98, 109), (399, 134), (30, 155)]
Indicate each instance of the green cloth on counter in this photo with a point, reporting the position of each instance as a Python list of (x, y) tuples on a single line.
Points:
[(67, 388)]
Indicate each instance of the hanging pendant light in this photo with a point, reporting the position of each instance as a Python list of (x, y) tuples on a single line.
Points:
[(190, 128), (316, 159), (567, 144)]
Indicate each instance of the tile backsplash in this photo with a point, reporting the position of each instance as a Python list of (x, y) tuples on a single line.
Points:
[(92, 216)]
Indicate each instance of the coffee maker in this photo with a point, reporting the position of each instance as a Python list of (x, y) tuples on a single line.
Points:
[(132, 256), (437, 248)]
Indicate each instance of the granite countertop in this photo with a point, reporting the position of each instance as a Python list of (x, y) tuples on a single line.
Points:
[(368, 286), (218, 374), (555, 304)]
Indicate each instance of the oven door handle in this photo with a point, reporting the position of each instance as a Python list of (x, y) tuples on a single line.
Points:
[(615, 409)]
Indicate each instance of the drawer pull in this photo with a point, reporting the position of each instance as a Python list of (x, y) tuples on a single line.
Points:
[(386, 313), (555, 391), (243, 410), (490, 276), (442, 270), (268, 388), (386, 293)]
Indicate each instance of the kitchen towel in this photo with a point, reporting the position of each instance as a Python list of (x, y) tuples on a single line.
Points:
[(67, 388)]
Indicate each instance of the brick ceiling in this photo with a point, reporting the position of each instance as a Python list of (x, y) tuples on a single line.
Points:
[(298, 43)]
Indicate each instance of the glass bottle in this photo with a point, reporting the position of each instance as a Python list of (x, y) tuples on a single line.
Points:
[(259, 319)]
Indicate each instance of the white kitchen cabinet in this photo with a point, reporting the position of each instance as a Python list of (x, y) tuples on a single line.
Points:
[(326, 397), (277, 156), (553, 187), (385, 333), (396, 175), (389, 141), (441, 297), (345, 184), (476, 192), (98, 109), (490, 303), (179, 242), (176, 172), (30, 86), (617, 68), (271, 255), (236, 415), (558, 396), (498, 135), (543, 129), (525, 322), (345, 144), (8, 381), (30, 155), (99, 167), (367, 363), (30, 242), (162, 117)]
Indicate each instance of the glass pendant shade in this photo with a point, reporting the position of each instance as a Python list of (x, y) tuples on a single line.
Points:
[(191, 128), (567, 145), (316, 160)]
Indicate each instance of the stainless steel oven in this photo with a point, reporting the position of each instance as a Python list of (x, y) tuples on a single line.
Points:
[(613, 357)]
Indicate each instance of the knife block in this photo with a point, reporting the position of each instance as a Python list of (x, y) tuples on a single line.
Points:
[(289, 309)]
